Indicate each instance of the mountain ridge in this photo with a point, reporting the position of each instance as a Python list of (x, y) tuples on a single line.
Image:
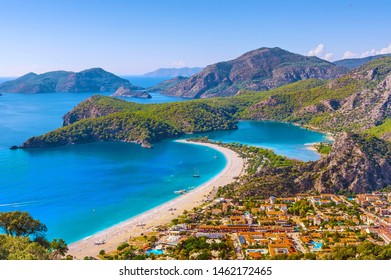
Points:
[(260, 69), (354, 102), (354, 63)]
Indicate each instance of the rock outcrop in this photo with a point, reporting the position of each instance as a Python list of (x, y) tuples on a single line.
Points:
[(125, 91)]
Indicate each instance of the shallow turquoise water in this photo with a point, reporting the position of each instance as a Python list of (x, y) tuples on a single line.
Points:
[(77, 190)]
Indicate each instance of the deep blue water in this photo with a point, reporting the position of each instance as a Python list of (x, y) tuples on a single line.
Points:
[(77, 190)]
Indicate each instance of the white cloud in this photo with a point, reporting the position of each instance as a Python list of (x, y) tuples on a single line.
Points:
[(178, 64), (319, 51), (368, 53), (328, 56), (350, 54), (385, 50)]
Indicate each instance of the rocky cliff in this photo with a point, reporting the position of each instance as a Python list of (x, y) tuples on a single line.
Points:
[(356, 101), (260, 69), (354, 164)]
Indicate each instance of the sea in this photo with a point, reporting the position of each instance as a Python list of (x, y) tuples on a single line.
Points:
[(78, 190)]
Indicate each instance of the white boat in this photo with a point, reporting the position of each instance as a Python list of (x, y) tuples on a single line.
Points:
[(180, 192), (196, 173)]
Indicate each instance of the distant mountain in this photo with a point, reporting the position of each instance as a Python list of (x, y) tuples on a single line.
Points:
[(260, 69), (91, 80), (353, 63), (166, 84), (174, 72)]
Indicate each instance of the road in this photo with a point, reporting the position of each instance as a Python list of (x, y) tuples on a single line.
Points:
[(298, 244)]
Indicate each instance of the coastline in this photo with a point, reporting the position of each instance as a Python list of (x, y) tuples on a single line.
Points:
[(161, 214), (311, 147)]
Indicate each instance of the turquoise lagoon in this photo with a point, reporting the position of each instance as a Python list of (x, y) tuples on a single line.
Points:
[(78, 190), (283, 138)]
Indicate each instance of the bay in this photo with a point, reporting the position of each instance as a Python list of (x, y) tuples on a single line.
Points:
[(78, 190)]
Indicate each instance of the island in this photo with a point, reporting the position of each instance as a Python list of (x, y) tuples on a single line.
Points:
[(90, 80)]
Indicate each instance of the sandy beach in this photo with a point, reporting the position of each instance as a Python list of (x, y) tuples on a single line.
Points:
[(162, 214), (311, 147)]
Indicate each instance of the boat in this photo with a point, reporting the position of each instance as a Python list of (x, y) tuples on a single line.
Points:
[(180, 192), (196, 173), (215, 156)]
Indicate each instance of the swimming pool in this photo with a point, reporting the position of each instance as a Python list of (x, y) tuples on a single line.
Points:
[(316, 246), (263, 251), (155, 252)]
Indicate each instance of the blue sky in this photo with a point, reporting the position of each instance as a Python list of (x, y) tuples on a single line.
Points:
[(134, 37)]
